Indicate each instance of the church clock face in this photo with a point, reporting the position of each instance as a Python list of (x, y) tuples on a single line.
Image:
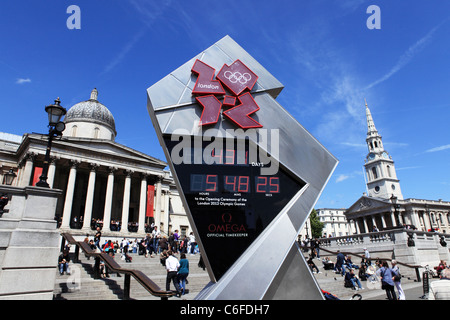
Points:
[(371, 156), (385, 155)]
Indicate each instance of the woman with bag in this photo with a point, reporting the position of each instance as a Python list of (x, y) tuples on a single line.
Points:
[(183, 272), (397, 281), (387, 274)]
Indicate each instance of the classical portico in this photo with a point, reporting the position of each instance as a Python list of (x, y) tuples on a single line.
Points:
[(104, 183)]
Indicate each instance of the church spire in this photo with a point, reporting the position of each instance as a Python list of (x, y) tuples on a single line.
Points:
[(371, 130), (381, 176)]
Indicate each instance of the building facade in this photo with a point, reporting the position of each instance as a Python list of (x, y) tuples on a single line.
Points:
[(104, 183), (384, 206), (334, 222)]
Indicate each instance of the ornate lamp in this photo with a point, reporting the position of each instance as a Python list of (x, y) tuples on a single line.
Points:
[(56, 127), (8, 177)]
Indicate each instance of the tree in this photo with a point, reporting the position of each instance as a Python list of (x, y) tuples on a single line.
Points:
[(316, 225)]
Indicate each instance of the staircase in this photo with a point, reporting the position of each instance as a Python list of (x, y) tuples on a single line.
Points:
[(333, 282), (81, 285)]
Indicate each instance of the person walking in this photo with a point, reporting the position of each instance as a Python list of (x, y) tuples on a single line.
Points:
[(340, 258), (387, 283), (172, 266), (397, 281), (183, 272), (97, 238)]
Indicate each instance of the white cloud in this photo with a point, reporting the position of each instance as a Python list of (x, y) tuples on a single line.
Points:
[(439, 148), (122, 54), (22, 80), (342, 177), (406, 57)]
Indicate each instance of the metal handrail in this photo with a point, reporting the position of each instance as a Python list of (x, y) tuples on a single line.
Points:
[(415, 267), (139, 276)]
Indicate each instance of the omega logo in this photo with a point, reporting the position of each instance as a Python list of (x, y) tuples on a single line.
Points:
[(227, 225)]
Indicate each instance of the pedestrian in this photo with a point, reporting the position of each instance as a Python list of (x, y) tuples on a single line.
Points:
[(183, 272), (156, 234), (97, 238), (192, 242), (397, 280), (339, 262), (172, 265), (440, 289), (316, 244), (387, 283), (367, 255)]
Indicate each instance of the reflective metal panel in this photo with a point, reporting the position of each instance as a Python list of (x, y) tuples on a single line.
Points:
[(265, 267)]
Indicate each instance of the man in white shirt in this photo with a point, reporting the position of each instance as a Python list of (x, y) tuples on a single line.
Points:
[(172, 266)]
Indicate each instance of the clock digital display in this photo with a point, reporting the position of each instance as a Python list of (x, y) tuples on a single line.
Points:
[(229, 198), (241, 184)]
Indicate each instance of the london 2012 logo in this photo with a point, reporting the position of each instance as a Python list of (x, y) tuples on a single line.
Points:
[(238, 80)]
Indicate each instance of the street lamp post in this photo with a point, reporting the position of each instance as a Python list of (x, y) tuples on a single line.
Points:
[(394, 202), (56, 127)]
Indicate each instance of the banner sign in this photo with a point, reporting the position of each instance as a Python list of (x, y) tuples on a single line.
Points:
[(150, 200)]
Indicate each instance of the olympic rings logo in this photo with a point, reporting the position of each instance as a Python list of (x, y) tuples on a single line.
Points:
[(236, 76)]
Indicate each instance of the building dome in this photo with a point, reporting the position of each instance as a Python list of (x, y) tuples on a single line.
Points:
[(92, 114)]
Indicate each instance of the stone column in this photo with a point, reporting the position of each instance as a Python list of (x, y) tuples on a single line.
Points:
[(142, 204), (374, 223), (108, 200), (51, 172), (383, 222), (366, 228), (87, 217), (415, 219), (394, 223), (158, 205), (69, 195), (126, 201), (27, 170), (166, 211)]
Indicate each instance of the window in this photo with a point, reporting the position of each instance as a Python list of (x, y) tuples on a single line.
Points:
[(374, 173), (389, 171), (96, 132), (74, 131)]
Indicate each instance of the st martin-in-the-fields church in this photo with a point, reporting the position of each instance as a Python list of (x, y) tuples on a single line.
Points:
[(384, 206)]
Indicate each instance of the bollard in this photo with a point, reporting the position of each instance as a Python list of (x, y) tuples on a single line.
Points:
[(425, 285)]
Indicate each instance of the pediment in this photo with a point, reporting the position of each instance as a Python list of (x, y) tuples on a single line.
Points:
[(366, 204), (100, 149)]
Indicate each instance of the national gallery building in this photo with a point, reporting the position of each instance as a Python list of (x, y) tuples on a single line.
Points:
[(104, 183)]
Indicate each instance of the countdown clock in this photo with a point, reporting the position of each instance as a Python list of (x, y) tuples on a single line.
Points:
[(231, 202), (245, 212)]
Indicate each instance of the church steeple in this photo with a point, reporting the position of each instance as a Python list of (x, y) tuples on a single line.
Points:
[(382, 179), (371, 130), (374, 141)]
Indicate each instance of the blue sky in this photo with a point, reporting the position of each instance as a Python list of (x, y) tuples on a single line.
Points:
[(322, 52)]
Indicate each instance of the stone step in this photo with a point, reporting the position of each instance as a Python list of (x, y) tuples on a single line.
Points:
[(81, 285)]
